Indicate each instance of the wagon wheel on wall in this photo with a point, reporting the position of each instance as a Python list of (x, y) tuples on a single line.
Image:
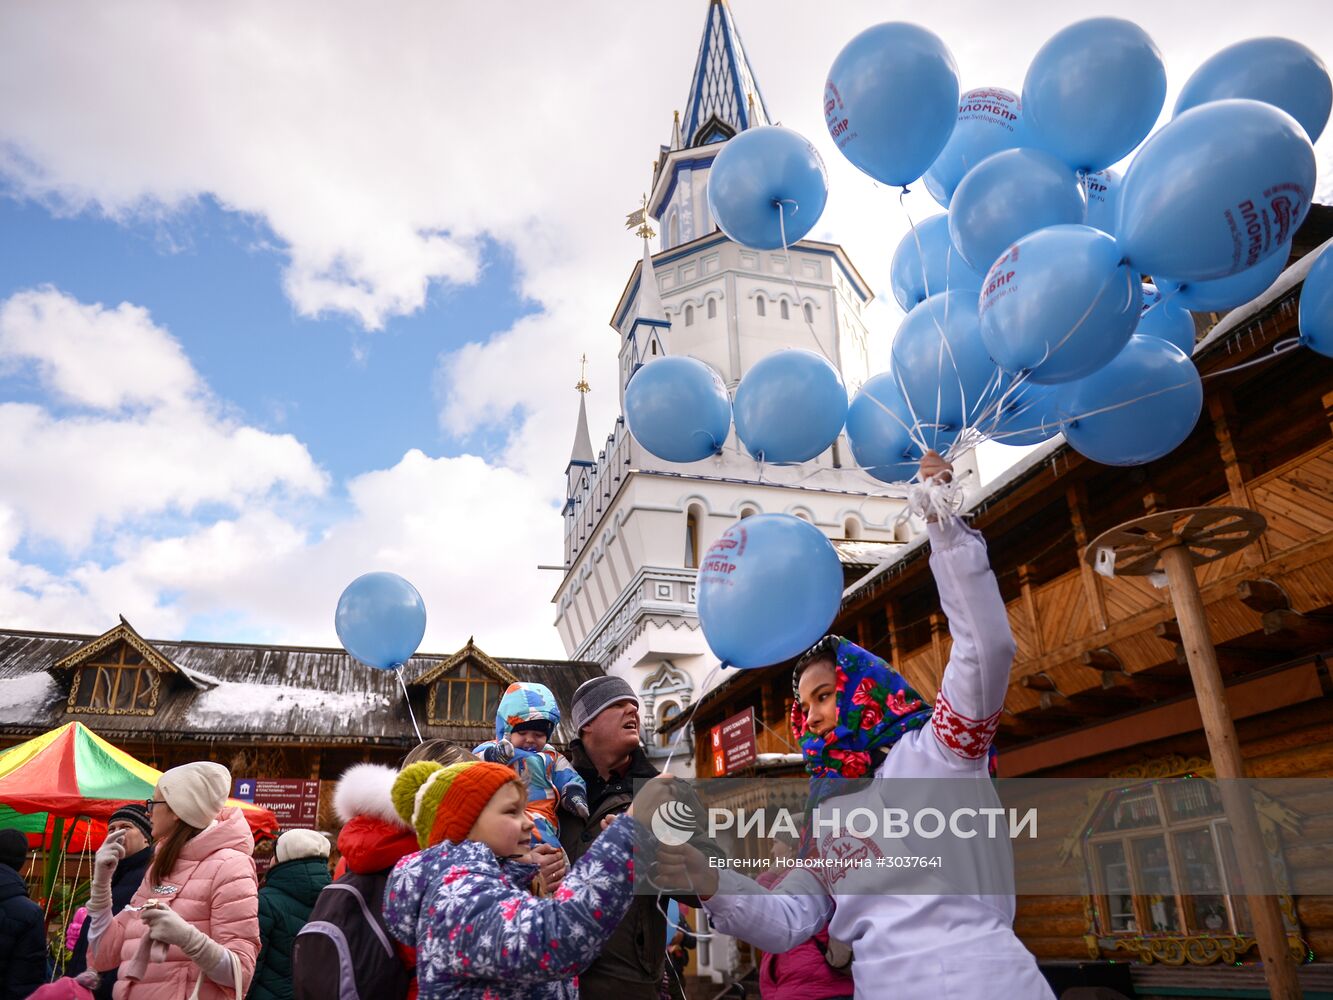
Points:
[(1208, 533)]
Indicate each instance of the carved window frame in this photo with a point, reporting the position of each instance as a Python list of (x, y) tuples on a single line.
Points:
[(143, 671)]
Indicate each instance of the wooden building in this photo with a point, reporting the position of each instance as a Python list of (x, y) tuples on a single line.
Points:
[(1100, 688), (263, 711)]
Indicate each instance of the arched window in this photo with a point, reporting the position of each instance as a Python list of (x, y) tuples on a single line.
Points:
[(673, 230), (692, 539), (665, 714), (1162, 860), (747, 512), (809, 312), (803, 515), (712, 308), (783, 310), (759, 305), (689, 315), (852, 529), (652, 348)]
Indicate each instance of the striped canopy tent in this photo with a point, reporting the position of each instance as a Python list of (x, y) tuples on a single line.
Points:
[(72, 774)]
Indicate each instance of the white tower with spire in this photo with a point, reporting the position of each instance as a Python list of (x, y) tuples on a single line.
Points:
[(636, 526)]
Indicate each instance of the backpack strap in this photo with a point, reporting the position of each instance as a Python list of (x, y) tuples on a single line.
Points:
[(365, 912)]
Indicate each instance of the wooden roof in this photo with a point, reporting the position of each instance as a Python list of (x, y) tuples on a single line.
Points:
[(237, 692)]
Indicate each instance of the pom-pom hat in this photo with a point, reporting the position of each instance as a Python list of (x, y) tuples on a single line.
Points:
[(442, 803)]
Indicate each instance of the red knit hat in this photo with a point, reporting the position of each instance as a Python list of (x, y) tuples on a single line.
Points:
[(442, 803)]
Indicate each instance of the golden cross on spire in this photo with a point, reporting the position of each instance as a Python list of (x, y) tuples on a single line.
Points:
[(583, 385), (639, 217)]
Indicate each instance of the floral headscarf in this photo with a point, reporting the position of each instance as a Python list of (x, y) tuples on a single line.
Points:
[(876, 706)]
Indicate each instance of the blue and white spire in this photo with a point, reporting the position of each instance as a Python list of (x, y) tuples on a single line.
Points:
[(724, 97)]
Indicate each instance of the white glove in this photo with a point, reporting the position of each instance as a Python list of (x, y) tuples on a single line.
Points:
[(105, 861), (169, 927)]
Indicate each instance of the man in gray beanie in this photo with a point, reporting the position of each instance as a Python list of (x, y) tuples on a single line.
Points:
[(610, 758)]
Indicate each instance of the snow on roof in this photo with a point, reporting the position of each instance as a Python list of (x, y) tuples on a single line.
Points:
[(27, 696), (1285, 282), (231, 700)]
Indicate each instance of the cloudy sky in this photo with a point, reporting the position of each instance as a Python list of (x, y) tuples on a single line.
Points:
[(289, 292)]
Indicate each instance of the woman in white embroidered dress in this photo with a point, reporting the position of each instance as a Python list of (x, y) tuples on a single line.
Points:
[(946, 932)]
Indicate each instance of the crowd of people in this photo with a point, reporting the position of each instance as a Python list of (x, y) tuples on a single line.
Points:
[(508, 871)]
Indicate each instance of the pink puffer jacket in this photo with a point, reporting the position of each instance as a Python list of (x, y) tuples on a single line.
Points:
[(214, 888)]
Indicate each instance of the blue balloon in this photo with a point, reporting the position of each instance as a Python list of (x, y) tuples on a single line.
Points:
[(891, 100), (380, 620), (1316, 308), (759, 173), (989, 119), (881, 444), (1007, 196), (678, 409), (768, 590), (1276, 71), (944, 269), (1233, 290), (1026, 416), (1060, 304), (1102, 188), (942, 366), (1166, 321), (790, 406), (1137, 408), (1216, 191), (1093, 91)]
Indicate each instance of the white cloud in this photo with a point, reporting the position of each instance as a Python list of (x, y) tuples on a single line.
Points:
[(462, 531), (68, 476)]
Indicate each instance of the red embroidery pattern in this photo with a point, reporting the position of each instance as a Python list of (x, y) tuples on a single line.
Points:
[(968, 738)]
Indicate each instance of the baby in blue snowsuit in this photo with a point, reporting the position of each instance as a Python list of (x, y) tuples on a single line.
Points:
[(524, 722)]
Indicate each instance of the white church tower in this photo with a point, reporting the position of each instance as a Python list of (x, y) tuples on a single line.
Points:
[(636, 526)]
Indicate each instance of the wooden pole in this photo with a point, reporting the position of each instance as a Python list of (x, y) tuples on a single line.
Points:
[(1279, 970)]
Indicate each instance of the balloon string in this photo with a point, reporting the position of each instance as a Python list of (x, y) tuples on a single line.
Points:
[(685, 718), (944, 339), (791, 274), (1278, 349), (398, 672)]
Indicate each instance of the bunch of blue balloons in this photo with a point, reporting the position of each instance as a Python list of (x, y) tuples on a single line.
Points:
[(1028, 311)]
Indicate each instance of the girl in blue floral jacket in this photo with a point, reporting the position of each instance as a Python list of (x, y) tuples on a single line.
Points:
[(464, 903)]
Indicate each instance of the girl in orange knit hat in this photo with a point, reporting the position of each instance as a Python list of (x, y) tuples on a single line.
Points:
[(463, 902)]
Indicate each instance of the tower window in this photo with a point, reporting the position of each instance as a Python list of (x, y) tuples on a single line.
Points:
[(664, 715), (712, 308), (759, 306), (689, 315), (809, 312), (783, 310), (652, 348), (852, 529), (692, 539), (674, 230)]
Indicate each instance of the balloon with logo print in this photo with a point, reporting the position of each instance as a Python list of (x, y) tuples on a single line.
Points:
[(1316, 308), (1135, 409), (1169, 322), (1233, 290), (891, 100), (927, 263), (761, 174), (1060, 304), (678, 409), (768, 589), (1220, 188), (1102, 188), (877, 430), (380, 620), (941, 364), (1007, 196), (790, 406), (989, 119), (1093, 91), (1277, 71)]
